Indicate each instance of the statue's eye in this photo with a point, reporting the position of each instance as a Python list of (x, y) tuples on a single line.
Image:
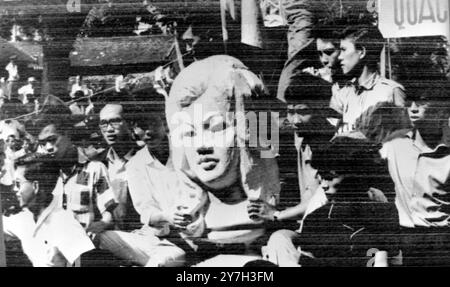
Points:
[(187, 130), (189, 133), (218, 126)]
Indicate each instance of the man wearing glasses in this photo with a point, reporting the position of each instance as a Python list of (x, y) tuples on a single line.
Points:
[(117, 133)]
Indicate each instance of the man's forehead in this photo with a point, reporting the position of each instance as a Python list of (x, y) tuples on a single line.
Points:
[(48, 131), (111, 111), (19, 172), (348, 41), (9, 131), (323, 44), (298, 106)]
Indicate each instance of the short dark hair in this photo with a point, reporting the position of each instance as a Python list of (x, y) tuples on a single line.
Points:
[(357, 160), (436, 97), (306, 87), (53, 112), (40, 166), (44, 169), (78, 94), (327, 31), (366, 36), (437, 93)]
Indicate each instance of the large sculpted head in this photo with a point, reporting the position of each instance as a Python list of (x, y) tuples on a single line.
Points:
[(205, 112)]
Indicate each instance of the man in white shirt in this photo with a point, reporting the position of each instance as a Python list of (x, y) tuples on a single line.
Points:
[(419, 164), (13, 77), (116, 131), (50, 236), (80, 85), (360, 52), (154, 190), (27, 90)]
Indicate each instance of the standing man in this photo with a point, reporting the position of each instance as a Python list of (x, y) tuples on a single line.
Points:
[(27, 93), (116, 131), (13, 78), (361, 47)]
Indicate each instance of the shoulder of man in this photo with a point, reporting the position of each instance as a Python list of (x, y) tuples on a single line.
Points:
[(140, 155), (391, 83), (101, 156), (397, 138), (94, 165)]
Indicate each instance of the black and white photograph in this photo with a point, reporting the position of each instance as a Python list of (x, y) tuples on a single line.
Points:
[(225, 133)]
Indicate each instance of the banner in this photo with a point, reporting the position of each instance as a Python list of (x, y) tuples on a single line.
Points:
[(251, 23), (272, 13), (226, 5), (414, 18)]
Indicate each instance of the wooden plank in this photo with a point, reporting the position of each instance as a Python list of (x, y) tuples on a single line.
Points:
[(91, 52)]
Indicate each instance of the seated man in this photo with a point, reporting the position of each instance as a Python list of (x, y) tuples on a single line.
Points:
[(154, 189), (340, 224), (85, 188), (419, 164), (50, 236), (307, 117)]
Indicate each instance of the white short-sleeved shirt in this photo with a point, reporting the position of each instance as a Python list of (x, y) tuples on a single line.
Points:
[(152, 187), (422, 181), (352, 100), (307, 175), (318, 200), (24, 91), (55, 233), (13, 71)]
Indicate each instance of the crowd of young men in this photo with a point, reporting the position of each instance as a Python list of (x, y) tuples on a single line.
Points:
[(198, 191)]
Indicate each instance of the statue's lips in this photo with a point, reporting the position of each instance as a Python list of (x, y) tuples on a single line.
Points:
[(208, 163)]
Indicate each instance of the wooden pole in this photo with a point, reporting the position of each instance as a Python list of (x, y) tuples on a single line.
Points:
[(251, 33), (224, 25), (389, 59), (383, 62), (2, 239)]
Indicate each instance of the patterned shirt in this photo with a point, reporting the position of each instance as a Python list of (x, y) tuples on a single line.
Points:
[(86, 192)]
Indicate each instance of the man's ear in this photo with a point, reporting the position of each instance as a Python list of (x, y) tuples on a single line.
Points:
[(362, 52), (36, 186)]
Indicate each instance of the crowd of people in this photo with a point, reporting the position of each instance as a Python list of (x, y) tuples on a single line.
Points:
[(361, 168)]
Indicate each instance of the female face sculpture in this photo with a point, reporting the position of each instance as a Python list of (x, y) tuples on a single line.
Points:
[(206, 113), (208, 135)]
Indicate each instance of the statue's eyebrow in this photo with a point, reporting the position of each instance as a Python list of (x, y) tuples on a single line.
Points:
[(211, 115)]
